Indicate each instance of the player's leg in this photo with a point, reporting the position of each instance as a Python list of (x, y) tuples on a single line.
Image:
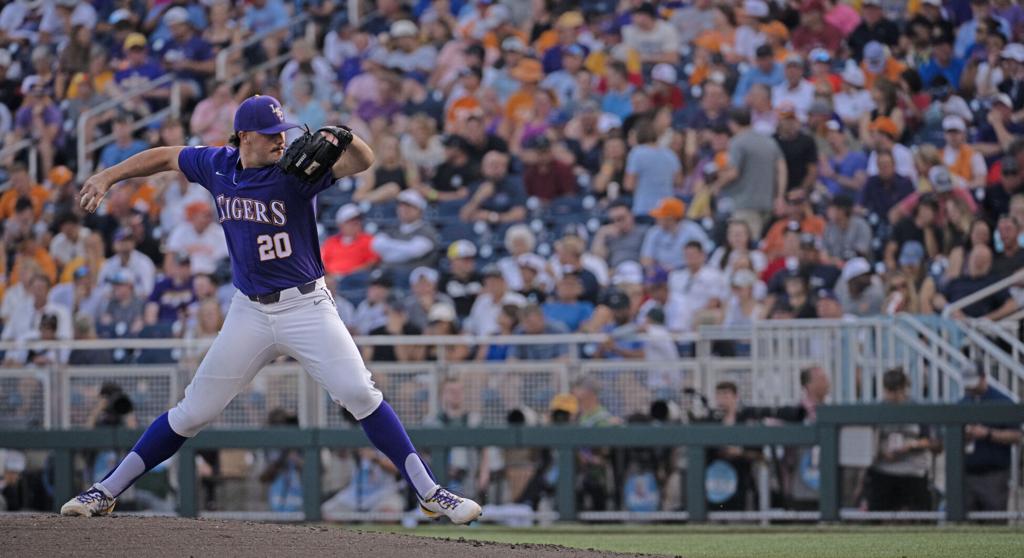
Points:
[(310, 330), (244, 345)]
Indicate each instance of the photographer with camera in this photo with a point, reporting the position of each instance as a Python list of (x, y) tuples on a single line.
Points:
[(729, 482), (898, 478)]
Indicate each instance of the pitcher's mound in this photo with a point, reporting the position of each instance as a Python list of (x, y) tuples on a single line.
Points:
[(28, 536)]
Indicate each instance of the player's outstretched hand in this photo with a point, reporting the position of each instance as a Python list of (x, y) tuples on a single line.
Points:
[(92, 193)]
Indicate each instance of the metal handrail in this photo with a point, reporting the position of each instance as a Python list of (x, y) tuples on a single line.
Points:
[(367, 340), (993, 352), (982, 294), (12, 150), (224, 55), (85, 149)]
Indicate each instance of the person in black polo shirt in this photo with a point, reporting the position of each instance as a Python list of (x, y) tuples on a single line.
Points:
[(462, 282), (977, 276), (987, 463), (996, 201)]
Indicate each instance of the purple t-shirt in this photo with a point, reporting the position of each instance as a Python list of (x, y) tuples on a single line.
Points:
[(195, 49), (269, 219), (171, 297), (23, 118)]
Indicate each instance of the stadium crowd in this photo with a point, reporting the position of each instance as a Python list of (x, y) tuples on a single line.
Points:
[(542, 167)]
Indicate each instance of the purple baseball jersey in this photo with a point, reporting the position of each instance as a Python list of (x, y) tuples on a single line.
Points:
[(269, 219)]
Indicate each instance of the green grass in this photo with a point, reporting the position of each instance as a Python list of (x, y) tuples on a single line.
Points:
[(742, 541)]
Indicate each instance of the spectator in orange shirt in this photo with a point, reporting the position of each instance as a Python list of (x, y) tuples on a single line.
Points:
[(31, 256), (348, 251), (520, 104), (798, 209), (877, 63), (22, 187)]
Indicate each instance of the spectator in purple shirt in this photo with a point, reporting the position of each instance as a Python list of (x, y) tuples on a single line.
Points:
[(885, 189), (187, 54), (38, 119), (172, 295), (140, 70)]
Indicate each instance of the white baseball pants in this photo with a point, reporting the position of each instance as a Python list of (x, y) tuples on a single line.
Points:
[(304, 327)]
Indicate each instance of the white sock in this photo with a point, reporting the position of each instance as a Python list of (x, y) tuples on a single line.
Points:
[(130, 468), (421, 481)]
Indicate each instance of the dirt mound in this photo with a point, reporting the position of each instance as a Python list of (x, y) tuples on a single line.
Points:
[(155, 537)]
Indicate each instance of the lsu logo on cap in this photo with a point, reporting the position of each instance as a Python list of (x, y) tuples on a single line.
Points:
[(277, 112)]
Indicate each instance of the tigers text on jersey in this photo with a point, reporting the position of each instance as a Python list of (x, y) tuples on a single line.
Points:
[(269, 219)]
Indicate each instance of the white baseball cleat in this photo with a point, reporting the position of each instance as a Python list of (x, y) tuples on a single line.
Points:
[(442, 502), (94, 501)]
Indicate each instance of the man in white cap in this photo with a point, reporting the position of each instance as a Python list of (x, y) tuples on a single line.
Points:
[(999, 130), (185, 52), (962, 160), (348, 251), (859, 290), (795, 90), (987, 468), (1012, 64), (414, 242), (852, 101), (407, 51), (423, 296), (664, 89)]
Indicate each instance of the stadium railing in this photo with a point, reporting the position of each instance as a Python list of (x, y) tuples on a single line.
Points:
[(696, 438), (225, 56), (86, 149), (9, 152), (763, 361)]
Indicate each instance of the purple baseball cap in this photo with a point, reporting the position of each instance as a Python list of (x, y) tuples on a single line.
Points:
[(263, 114)]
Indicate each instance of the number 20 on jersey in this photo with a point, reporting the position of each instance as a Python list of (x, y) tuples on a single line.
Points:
[(274, 247)]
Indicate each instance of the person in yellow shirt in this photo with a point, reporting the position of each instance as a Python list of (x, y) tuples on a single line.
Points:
[(22, 187)]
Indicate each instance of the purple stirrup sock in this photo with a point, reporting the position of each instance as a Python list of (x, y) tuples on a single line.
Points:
[(386, 432), (157, 444)]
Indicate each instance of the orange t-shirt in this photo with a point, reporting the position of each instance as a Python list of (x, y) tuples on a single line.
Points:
[(43, 259), (891, 71), (144, 198), (37, 194), (772, 243), (491, 40), (519, 106), (342, 258), (460, 109)]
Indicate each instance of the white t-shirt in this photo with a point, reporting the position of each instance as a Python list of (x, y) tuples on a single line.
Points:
[(800, 97), (851, 105), (483, 317), (663, 38), (205, 249), (690, 292)]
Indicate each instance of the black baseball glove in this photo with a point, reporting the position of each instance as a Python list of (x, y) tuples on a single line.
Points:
[(311, 156)]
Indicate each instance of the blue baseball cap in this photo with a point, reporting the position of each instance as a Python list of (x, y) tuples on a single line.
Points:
[(263, 114)]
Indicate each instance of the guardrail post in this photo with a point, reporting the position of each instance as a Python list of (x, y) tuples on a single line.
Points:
[(696, 504), (953, 443), (566, 484), (828, 467), (439, 464), (64, 474), (311, 482), (187, 506)]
